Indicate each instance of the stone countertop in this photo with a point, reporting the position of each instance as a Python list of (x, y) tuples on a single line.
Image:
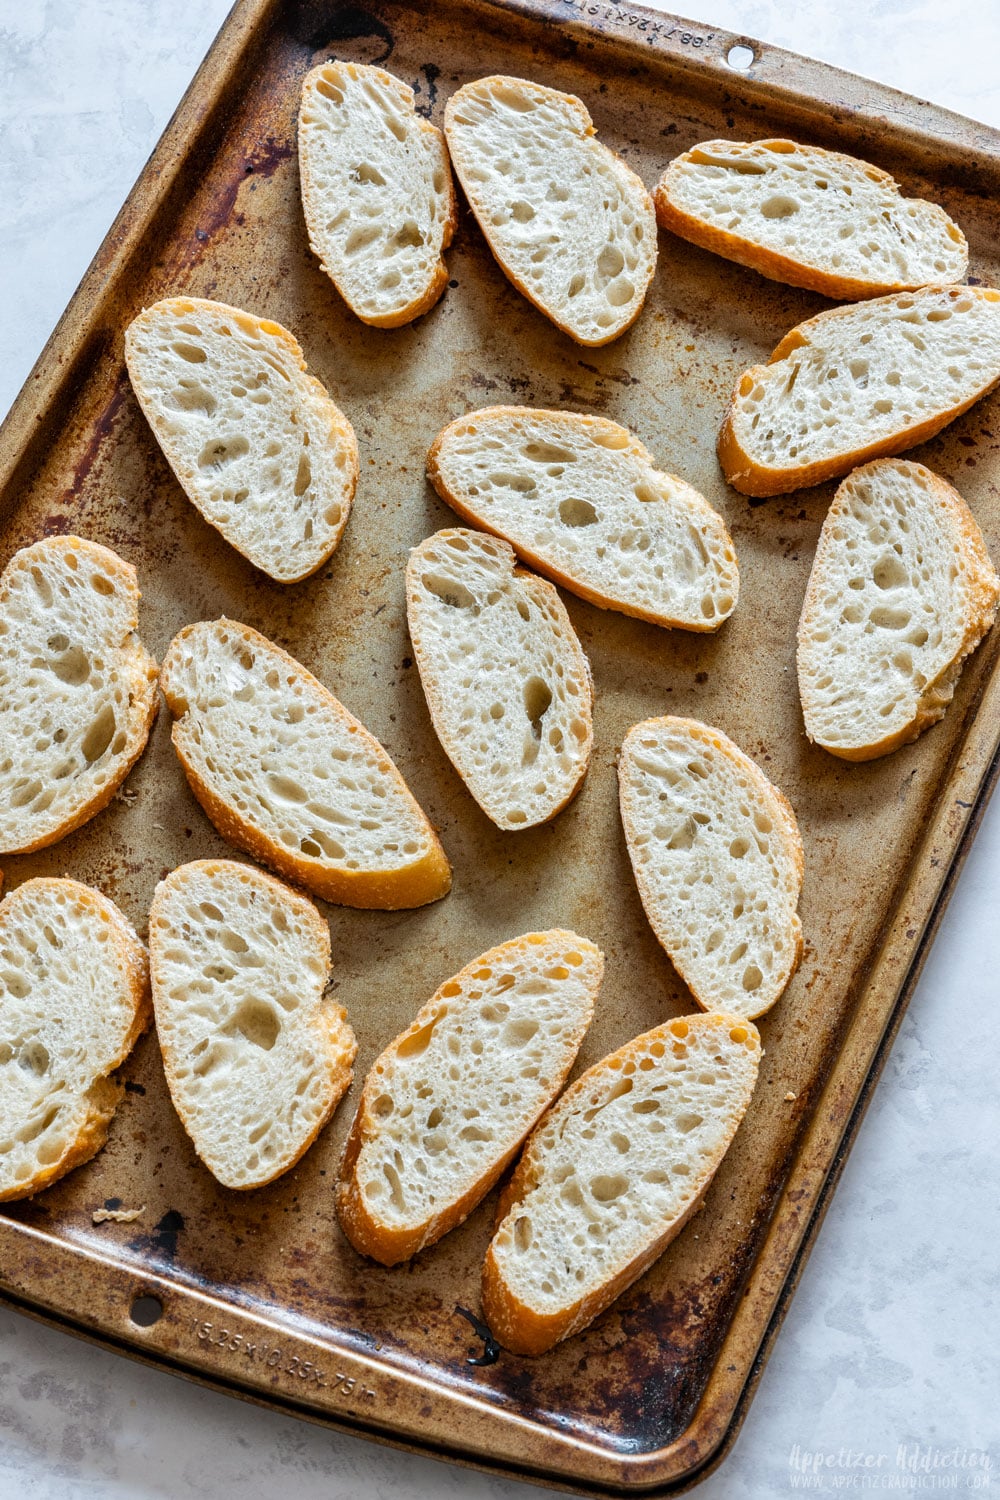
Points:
[(889, 1349)]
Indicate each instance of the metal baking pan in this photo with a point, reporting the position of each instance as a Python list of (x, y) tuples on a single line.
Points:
[(259, 1294)]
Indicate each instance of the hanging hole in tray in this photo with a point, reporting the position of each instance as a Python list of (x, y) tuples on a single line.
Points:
[(740, 58), (146, 1310)]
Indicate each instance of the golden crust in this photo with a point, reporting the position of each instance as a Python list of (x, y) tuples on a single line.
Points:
[(573, 420), (771, 263), (519, 1327), (105, 1093), (587, 129), (985, 595), (311, 207), (366, 1232), (332, 1020), (760, 481), (776, 801), (416, 884)]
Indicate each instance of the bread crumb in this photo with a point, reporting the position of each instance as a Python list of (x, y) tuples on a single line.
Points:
[(790, 1098), (117, 1215)]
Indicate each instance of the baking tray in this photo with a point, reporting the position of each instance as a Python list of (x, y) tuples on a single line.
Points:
[(259, 1294)]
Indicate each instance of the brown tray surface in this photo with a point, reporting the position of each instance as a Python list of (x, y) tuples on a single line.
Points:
[(261, 1292)]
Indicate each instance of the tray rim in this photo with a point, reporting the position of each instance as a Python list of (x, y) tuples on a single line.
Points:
[(801, 83)]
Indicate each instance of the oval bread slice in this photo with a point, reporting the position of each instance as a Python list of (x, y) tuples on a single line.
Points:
[(77, 688), (809, 217), (74, 999), (858, 383), (569, 223), (446, 1106), (257, 1059), (255, 442), (507, 683), (612, 1173), (718, 861), (579, 498), (377, 192), (902, 589), (286, 773)]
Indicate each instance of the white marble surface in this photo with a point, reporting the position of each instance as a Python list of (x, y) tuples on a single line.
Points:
[(892, 1337)]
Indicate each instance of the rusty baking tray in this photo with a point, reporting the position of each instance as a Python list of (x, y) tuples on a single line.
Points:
[(259, 1294)]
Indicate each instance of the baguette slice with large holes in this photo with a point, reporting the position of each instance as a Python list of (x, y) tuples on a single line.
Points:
[(579, 498), (77, 688), (902, 589), (570, 224), (718, 861), (809, 217), (286, 773), (492, 636), (445, 1108), (377, 192), (74, 999), (612, 1173), (255, 442), (860, 382), (257, 1059)]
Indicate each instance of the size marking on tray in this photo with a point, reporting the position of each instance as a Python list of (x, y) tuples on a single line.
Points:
[(273, 1357), (653, 30)]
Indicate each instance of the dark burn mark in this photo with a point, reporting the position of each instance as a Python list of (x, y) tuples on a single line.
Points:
[(112, 1203), (165, 1234), (100, 430), (263, 161), (432, 73), (343, 26), (491, 1349), (133, 1088)]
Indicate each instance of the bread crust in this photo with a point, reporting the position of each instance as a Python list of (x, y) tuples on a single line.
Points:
[(144, 699), (762, 481), (770, 794), (519, 1327), (105, 1093), (984, 588), (416, 884), (369, 1235), (572, 421), (340, 430), (332, 1019), (588, 130), (312, 205), (551, 603), (771, 263)]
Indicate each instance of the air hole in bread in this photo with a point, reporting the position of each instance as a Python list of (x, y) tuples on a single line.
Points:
[(219, 452), (449, 591), (100, 734), (577, 512), (192, 353)]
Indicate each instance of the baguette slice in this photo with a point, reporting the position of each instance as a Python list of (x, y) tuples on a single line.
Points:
[(74, 999), (255, 442), (579, 499), (569, 223), (77, 688), (858, 383), (902, 589), (612, 1173), (256, 1058), (809, 217), (286, 773), (718, 861), (507, 684), (377, 192), (445, 1108)]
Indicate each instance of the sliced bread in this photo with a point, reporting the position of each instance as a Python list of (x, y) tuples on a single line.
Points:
[(612, 1173), (257, 1059), (902, 589), (507, 683), (77, 688), (446, 1106), (718, 861), (286, 773), (377, 192), (809, 217), (579, 498), (858, 383), (74, 999), (255, 442), (569, 223)]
